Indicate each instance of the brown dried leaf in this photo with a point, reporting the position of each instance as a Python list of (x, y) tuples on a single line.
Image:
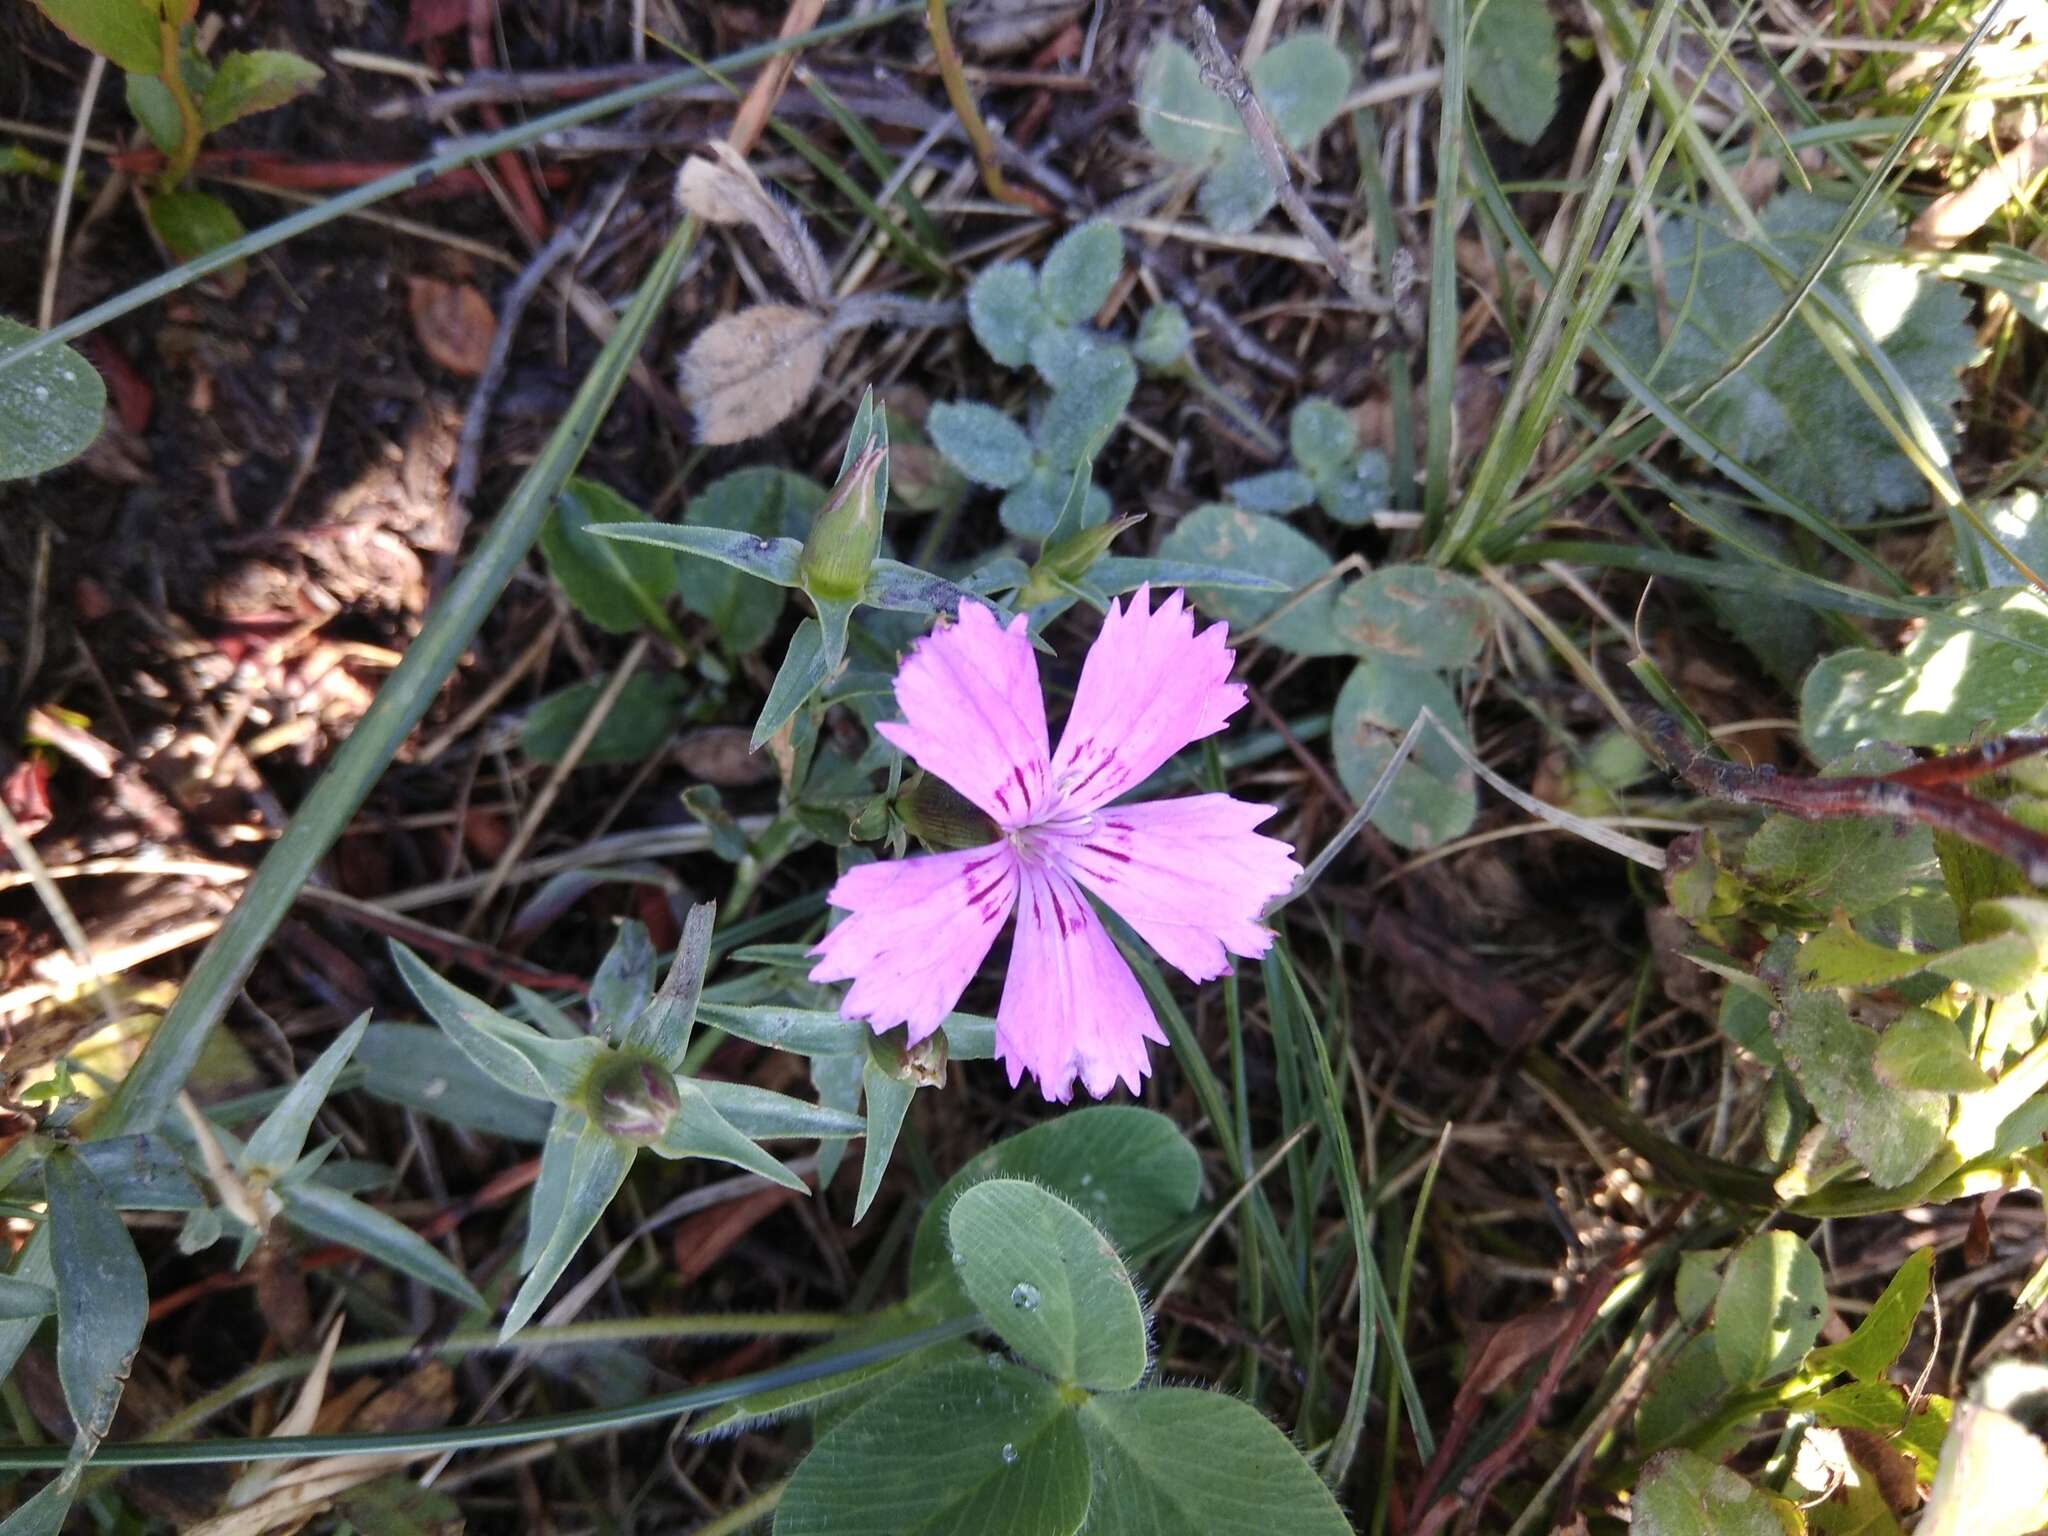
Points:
[(751, 371), (453, 322), (723, 755), (727, 191)]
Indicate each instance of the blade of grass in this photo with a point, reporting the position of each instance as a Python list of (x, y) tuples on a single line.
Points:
[(470, 1437), (1290, 1010), (1564, 316), (461, 153), (160, 1072), (1441, 347)]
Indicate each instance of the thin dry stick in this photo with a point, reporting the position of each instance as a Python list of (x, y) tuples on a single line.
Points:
[(752, 117), (1919, 793), (529, 824), (46, 311), (1221, 74), (978, 137)]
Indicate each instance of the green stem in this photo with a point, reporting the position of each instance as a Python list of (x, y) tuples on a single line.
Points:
[(471, 1437), (470, 1341), (190, 130)]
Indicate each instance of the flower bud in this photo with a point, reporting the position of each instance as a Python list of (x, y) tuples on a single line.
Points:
[(922, 1065), (841, 549), (633, 1098), (940, 817), (1069, 561)]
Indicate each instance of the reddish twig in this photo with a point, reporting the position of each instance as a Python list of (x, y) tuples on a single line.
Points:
[(1920, 792)]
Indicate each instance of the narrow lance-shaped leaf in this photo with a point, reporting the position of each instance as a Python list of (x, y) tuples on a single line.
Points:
[(662, 1028), (597, 1169), (102, 1293), (761, 1114), (804, 666), (276, 1144), (339, 1218), (888, 1099), (699, 1130), (624, 981), (515, 1054), (773, 560)]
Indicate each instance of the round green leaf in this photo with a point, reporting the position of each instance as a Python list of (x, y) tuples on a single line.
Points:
[(1093, 391), (1415, 613), (1046, 1279), (1080, 271), (1302, 82), (1129, 1169), (1772, 1302), (128, 32), (1261, 546), (773, 503), (1004, 312), (1163, 336), (1181, 117), (193, 223), (51, 407), (1433, 798), (251, 82), (981, 442), (617, 585), (1684, 1494), (1354, 493), (1276, 491), (1512, 64), (647, 709), (1238, 192), (1322, 435), (1174, 1460), (988, 1448)]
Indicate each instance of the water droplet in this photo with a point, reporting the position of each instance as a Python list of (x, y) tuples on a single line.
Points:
[(42, 391), (1087, 1179), (2021, 666), (1024, 1296), (959, 1259), (1009, 1454)]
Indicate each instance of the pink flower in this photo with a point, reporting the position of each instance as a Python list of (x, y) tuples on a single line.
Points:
[(1190, 876)]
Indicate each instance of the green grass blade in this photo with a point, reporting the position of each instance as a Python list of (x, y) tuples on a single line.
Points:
[(1441, 347), (457, 155), (161, 1071), (1565, 315)]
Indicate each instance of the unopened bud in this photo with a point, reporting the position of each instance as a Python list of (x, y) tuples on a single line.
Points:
[(633, 1098), (940, 817), (1069, 561), (922, 1065), (841, 549)]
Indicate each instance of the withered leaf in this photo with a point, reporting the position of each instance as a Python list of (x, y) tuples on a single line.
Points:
[(453, 322), (726, 191), (751, 371)]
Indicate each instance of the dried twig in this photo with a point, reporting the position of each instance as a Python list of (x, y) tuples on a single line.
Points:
[(1220, 72), (1919, 793), (978, 137)]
